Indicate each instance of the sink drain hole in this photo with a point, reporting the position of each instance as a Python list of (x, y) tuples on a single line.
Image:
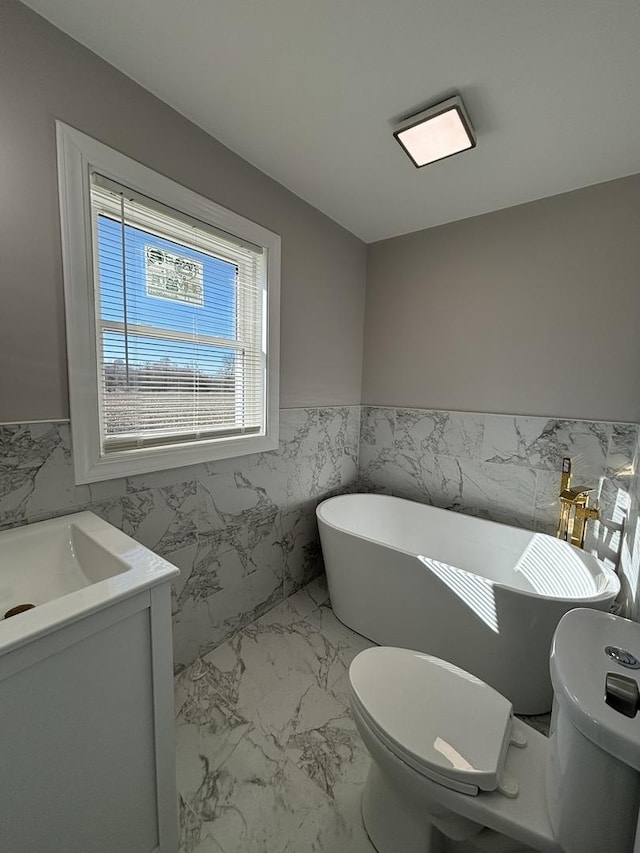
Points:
[(19, 608)]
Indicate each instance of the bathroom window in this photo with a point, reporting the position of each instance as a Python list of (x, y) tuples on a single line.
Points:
[(172, 319)]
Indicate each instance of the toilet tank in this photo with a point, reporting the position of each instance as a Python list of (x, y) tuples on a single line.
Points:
[(592, 774)]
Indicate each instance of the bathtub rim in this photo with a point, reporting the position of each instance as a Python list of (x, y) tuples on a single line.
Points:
[(612, 581)]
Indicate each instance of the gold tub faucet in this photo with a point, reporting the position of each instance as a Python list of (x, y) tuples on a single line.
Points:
[(575, 511)]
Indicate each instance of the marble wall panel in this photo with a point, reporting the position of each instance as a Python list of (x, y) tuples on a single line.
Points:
[(440, 433), (541, 443), (629, 563), (242, 530), (300, 546)]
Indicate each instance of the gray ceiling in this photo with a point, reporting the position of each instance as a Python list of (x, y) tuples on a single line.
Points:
[(309, 91)]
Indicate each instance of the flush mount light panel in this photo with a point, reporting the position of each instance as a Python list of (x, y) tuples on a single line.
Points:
[(435, 133)]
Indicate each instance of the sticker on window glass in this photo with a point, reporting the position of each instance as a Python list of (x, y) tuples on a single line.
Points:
[(170, 276)]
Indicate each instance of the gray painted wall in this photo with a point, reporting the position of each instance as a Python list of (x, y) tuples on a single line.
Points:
[(45, 75), (530, 310)]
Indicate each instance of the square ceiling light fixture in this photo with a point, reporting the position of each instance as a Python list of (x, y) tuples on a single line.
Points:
[(435, 133)]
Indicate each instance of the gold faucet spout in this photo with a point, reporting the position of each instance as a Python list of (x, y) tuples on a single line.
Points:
[(577, 494)]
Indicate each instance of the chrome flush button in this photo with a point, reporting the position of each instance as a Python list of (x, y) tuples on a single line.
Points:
[(623, 657)]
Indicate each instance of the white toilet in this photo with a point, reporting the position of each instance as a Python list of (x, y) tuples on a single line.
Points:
[(453, 770)]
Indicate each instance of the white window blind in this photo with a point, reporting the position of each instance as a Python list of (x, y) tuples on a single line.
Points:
[(180, 324)]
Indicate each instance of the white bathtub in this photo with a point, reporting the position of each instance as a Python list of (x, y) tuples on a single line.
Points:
[(481, 595)]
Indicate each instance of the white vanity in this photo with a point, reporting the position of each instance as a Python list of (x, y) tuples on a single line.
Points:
[(87, 754)]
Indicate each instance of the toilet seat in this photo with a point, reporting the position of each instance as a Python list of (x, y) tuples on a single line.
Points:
[(443, 722)]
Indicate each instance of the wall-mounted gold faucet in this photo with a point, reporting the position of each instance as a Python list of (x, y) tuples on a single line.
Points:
[(575, 511)]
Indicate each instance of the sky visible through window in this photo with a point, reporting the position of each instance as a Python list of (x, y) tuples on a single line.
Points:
[(212, 311)]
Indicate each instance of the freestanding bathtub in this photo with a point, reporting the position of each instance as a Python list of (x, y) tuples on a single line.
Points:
[(484, 596)]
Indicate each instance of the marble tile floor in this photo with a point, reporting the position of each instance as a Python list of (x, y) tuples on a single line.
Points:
[(268, 756)]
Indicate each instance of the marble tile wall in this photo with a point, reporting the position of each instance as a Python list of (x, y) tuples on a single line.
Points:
[(507, 468), (242, 530), (629, 561)]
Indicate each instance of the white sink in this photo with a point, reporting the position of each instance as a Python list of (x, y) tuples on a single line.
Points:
[(86, 691), (68, 567)]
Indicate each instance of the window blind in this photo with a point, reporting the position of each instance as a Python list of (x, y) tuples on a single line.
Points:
[(180, 321)]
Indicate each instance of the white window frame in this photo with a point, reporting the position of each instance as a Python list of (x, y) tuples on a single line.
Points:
[(78, 156)]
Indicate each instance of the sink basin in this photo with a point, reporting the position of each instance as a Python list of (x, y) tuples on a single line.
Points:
[(67, 567)]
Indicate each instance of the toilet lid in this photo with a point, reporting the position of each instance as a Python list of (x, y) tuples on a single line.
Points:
[(444, 722)]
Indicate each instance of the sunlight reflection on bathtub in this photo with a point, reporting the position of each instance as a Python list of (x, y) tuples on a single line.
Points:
[(475, 591), (553, 569), (546, 566)]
